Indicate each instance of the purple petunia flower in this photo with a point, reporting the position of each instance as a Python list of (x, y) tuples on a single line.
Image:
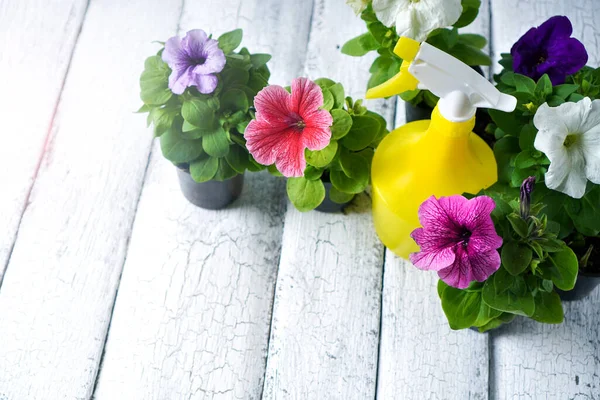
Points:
[(195, 60), (549, 49), (458, 239), (525, 196)]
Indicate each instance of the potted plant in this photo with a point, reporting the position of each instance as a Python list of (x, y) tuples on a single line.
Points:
[(198, 93), (318, 138), (386, 21), (531, 240)]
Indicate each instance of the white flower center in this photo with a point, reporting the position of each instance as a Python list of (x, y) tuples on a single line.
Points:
[(570, 140)]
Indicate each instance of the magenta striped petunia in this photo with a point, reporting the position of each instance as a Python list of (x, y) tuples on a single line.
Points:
[(458, 239)]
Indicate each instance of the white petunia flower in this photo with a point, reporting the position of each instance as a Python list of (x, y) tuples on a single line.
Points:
[(569, 135), (358, 5), (417, 18)]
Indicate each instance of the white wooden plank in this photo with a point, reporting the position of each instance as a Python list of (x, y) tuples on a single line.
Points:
[(59, 287), (36, 42), (420, 356), (537, 361), (198, 285), (325, 328), (532, 360)]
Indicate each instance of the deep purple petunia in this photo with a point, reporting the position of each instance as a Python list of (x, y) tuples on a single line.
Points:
[(195, 60), (458, 239), (549, 49)]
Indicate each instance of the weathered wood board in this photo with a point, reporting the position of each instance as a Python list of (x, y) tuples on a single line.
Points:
[(59, 287), (201, 282), (36, 42), (325, 328)]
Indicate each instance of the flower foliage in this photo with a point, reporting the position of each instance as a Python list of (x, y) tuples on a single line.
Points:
[(198, 93), (383, 39), (344, 159), (548, 232)]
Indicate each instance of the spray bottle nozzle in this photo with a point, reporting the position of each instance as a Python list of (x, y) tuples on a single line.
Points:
[(461, 90)]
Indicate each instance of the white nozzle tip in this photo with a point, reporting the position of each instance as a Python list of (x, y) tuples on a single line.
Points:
[(456, 107)]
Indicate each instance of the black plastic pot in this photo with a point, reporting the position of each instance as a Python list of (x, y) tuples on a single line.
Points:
[(586, 282), (212, 195), (329, 206)]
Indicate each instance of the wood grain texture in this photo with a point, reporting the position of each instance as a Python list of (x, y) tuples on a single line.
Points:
[(59, 287), (36, 43), (325, 328), (420, 356), (532, 360), (201, 282), (537, 361), (512, 18)]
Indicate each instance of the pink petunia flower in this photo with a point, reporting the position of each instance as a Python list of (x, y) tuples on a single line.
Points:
[(458, 239), (286, 124)]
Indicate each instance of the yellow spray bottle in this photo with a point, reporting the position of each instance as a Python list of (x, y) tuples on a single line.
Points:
[(441, 156)]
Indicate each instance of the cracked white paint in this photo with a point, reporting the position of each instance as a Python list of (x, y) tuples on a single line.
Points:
[(59, 287), (193, 312), (325, 328)]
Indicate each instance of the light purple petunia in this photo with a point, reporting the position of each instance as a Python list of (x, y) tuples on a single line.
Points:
[(195, 60), (458, 239)]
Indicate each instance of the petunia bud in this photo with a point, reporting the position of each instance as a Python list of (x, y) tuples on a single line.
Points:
[(525, 196)]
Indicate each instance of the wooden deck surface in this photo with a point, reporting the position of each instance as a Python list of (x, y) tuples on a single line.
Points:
[(113, 286)]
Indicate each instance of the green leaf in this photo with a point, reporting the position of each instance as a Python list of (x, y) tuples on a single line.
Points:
[(354, 176), (340, 197), (504, 150), (525, 160), (230, 41), (364, 130), (564, 91), (224, 171), (508, 122), (472, 39), (470, 55), (504, 318), (273, 170), (154, 81), (563, 267), (328, 100), (516, 257), (162, 118), (237, 158), (508, 293), (305, 194), (312, 173), (548, 308), (324, 83), (234, 100), (258, 60), (178, 149), (518, 224), (360, 45), (198, 113), (204, 169), (216, 143), (527, 137), (544, 86), (585, 212), (235, 76), (524, 84), (339, 96), (342, 122), (461, 307), (322, 158)]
